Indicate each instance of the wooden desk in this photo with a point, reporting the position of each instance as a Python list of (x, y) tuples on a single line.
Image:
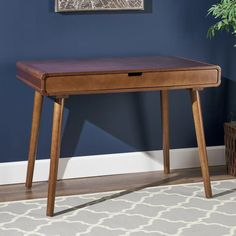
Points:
[(60, 79)]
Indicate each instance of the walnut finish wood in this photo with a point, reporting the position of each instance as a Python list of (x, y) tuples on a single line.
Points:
[(105, 75), (165, 130), (197, 115), (116, 75), (55, 153), (37, 110), (59, 85)]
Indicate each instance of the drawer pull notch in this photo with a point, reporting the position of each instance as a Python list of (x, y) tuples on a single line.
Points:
[(135, 74)]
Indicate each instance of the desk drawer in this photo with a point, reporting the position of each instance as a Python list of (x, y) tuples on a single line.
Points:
[(137, 81)]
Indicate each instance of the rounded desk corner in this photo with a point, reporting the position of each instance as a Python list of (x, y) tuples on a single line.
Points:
[(218, 68)]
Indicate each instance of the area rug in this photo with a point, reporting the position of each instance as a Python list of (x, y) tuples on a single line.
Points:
[(164, 210)]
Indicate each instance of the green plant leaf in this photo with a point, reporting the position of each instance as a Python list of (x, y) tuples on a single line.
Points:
[(225, 14)]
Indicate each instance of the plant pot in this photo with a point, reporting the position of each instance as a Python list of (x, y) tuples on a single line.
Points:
[(230, 147)]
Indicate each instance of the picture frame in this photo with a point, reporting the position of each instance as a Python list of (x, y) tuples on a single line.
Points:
[(97, 5)]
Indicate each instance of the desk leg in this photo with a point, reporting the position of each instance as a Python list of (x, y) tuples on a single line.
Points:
[(37, 110), (165, 130), (55, 153), (197, 115)]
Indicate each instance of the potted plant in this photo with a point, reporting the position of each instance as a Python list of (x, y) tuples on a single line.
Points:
[(225, 13)]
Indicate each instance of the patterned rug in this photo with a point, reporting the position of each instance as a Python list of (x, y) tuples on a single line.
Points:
[(165, 210)]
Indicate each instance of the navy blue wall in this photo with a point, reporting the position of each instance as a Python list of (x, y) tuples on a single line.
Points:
[(98, 124)]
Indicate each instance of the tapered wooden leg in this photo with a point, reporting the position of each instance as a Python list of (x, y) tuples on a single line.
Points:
[(165, 130), (197, 115), (37, 110), (55, 153)]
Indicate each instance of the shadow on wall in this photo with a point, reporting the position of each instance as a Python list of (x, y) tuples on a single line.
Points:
[(230, 97), (136, 122), (137, 125)]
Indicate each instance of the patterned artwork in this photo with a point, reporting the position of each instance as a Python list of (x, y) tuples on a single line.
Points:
[(91, 5), (177, 210)]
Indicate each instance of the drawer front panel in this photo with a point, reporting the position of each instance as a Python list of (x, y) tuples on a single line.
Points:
[(109, 82)]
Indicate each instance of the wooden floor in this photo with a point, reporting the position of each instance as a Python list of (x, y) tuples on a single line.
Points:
[(110, 183)]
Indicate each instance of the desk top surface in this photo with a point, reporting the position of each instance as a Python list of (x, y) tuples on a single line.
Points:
[(109, 65), (102, 75)]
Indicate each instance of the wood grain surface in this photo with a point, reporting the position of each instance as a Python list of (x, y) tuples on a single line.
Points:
[(68, 77)]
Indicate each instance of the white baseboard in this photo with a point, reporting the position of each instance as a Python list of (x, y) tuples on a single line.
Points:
[(110, 164)]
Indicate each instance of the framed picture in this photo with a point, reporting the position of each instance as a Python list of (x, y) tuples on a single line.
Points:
[(96, 5)]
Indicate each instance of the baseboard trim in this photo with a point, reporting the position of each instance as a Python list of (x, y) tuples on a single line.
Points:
[(110, 164)]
